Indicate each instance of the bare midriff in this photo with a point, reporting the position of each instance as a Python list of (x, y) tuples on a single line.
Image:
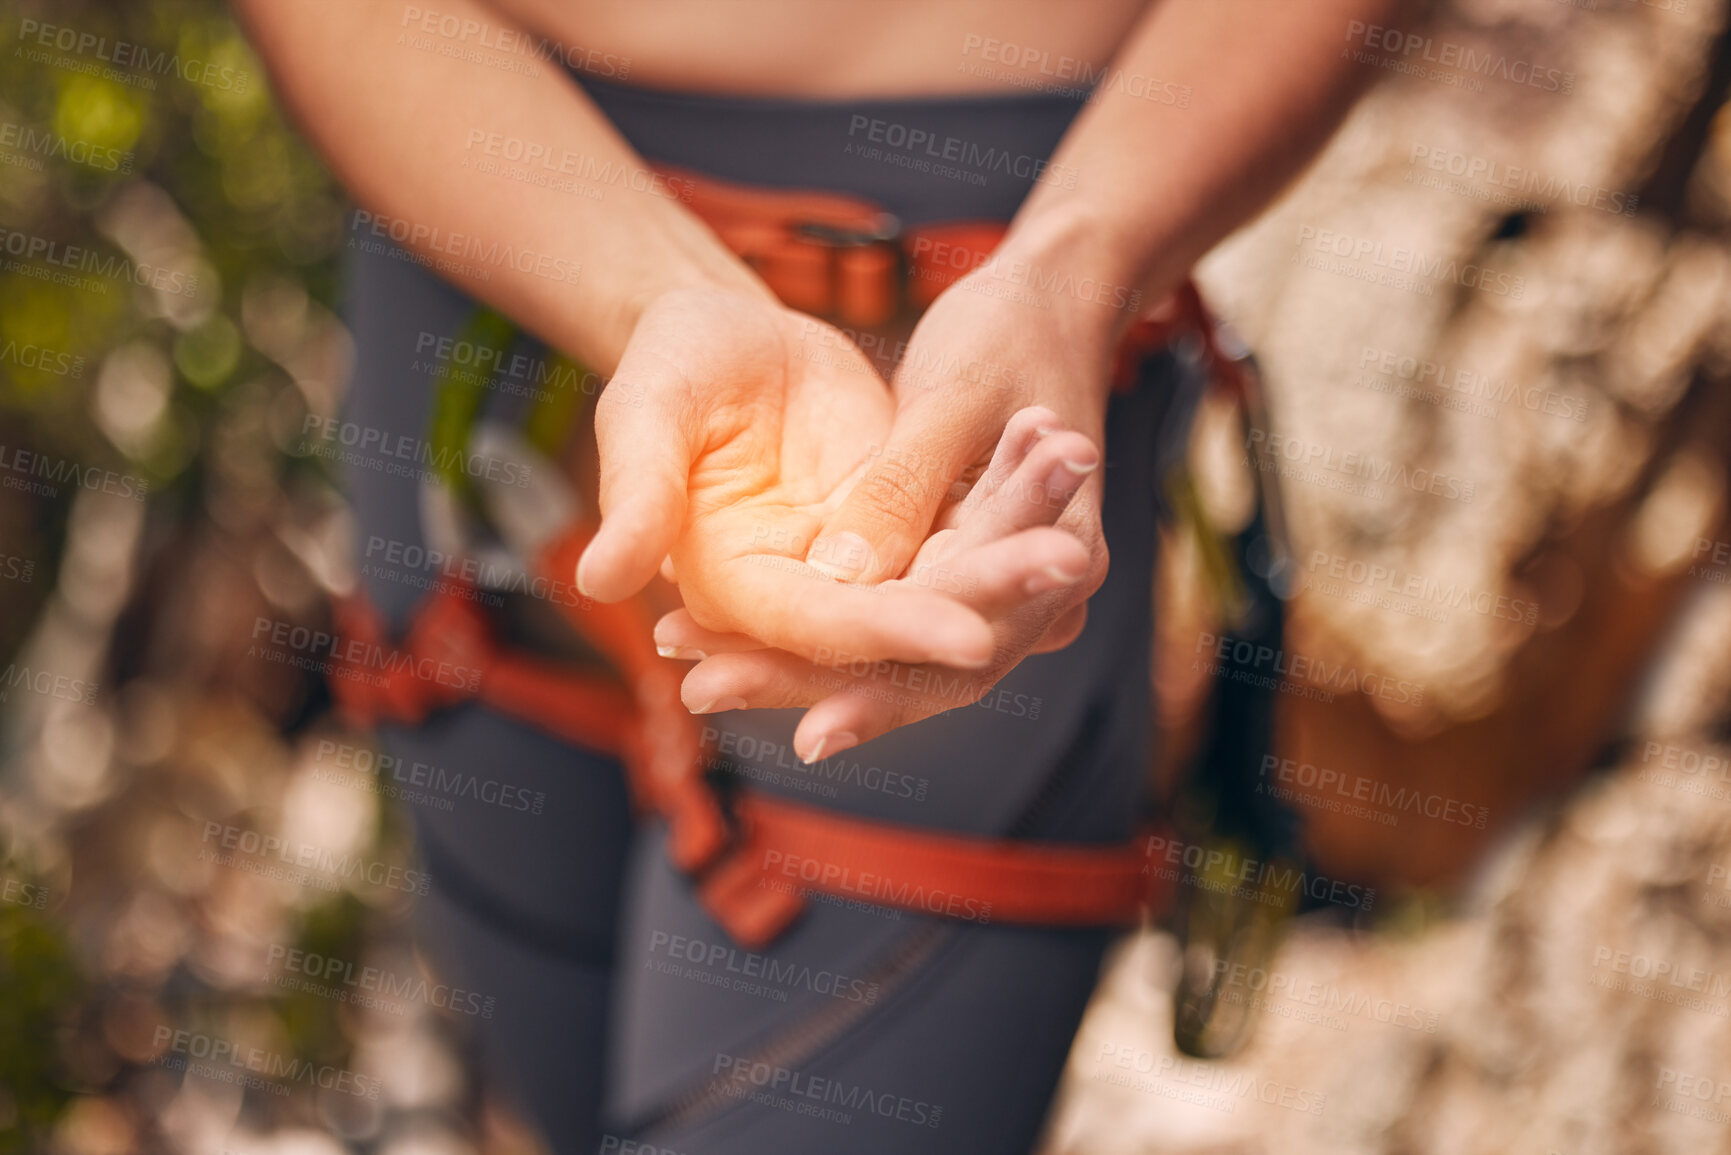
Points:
[(831, 49)]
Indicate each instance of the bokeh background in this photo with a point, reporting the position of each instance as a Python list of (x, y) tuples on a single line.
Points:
[(153, 506)]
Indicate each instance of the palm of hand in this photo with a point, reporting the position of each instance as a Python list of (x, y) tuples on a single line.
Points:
[(785, 429)]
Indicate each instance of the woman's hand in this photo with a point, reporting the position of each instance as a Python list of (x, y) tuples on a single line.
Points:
[(728, 434), (999, 556), (986, 349)]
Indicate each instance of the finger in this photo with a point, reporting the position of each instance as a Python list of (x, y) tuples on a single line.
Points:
[(794, 607), (678, 636), (849, 717), (1021, 433), (1063, 631), (848, 706), (1004, 575), (645, 451), (880, 524), (759, 680), (1036, 493)]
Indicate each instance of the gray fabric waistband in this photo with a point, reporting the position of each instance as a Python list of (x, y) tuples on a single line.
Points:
[(925, 159)]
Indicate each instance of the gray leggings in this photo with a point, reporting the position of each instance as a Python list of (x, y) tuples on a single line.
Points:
[(621, 1012)]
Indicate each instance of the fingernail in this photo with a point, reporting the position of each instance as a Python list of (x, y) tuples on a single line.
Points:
[(681, 653), (1050, 578), (832, 744), (1079, 467), (720, 706), (843, 556)]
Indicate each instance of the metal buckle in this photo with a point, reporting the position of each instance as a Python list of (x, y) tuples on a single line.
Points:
[(886, 230)]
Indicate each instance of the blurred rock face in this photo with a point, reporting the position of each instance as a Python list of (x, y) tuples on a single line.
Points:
[(1493, 320)]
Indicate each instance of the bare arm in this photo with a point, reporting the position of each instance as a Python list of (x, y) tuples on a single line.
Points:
[(1159, 184), (396, 124)]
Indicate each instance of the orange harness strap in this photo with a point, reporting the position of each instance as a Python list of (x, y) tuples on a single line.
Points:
[(374, 681), (784, 849)]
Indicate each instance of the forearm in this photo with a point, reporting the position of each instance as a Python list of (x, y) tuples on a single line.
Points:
[(396, 126), (1157, 185)]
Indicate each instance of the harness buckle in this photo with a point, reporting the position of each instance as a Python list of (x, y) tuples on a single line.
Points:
[(864, 267)]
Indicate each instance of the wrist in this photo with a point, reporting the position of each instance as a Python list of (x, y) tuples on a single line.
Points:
[(674, 255), (1077, 277)]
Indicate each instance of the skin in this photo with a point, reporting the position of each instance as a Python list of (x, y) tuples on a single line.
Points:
[(719, 466)]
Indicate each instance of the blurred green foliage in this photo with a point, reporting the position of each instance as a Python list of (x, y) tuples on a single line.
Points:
[(39, 986), (152, 102), (77, 132)]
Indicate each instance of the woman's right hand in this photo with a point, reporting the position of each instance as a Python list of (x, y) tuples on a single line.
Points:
[(732, 427)]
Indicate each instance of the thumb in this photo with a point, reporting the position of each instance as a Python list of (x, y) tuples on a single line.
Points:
[(645, 453), (887, 516)]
